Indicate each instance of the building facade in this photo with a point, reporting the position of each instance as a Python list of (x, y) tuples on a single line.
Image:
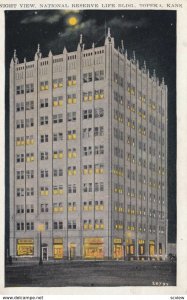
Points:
[(88, 156)]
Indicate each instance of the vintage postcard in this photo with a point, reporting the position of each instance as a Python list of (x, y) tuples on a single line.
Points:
[(94, 153)]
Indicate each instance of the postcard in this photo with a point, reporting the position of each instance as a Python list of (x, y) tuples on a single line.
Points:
[(93, 148)]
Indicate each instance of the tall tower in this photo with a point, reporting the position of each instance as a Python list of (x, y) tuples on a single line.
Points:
[(88, 156)]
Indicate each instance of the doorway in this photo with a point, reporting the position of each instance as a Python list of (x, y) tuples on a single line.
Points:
[(72, 251), (44, 253)]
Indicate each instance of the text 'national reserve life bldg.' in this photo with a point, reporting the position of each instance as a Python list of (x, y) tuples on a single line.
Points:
[(88, 156)]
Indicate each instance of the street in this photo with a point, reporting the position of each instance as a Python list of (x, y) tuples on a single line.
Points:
[(90, 273)]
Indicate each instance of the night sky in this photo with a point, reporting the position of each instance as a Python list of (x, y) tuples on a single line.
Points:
[(152, 34)]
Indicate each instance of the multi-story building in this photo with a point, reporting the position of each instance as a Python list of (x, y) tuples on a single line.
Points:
[(88, 156)]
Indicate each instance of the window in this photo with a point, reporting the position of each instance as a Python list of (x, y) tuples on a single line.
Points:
[(20, 192), (72, 134), (29, 140), (44, 208), (118, 116), (87, 96), (30, 191), (58, 154), (20, 106), (57, 118), (19, 175), (87, 77), (20, 209), (44, 173), (19, 89), (55, 225), (72, 153), (87, 150), (30, 157), (20, 226), (131, 89), (87, 169), (20, 141), (19, 124), (44, 120), (43, 103), (46, 225), (99, 75), (72, 224), (30, 226), (57, 101), (71, 116), (87, 187), (29, 174), (99, 131), (58, 207), (19, 158), (30, 122), (29, 105), (99, 167), (99, 94), (71, 80), (57, 136), (43, 155), (119, 98), (44, 190), (71, 99), (87, 224), (72, 206), (72, 188), (29, 88), (99, 149), (72, 170), (99, 186), (86, 132), (87, 114), (57, 83), (44, 138), (99, 224), (99, 112), (57, 172), (58, 225), (44, 85)]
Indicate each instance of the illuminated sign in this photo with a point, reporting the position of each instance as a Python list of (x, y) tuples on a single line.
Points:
[(117, 241), (58, 241), (25, 241), (93, 241)]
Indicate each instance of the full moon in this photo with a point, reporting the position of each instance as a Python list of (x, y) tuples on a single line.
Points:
[(72, 21)]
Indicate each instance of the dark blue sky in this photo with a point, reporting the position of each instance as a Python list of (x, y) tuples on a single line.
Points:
[(152, 34)]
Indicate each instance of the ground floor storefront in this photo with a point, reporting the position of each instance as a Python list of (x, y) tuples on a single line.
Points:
[(91, 248)]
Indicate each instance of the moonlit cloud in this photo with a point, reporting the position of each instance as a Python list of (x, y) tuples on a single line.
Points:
[(90, 28), (66, 35), (128, 24), (33, 19)]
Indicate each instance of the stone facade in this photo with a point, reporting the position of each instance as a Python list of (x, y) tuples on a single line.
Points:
[(88, 156)]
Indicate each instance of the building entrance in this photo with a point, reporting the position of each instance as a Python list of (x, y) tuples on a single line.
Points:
[(151, 248), (44, 253), (58, 250), (117, 249), (72, 251)]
